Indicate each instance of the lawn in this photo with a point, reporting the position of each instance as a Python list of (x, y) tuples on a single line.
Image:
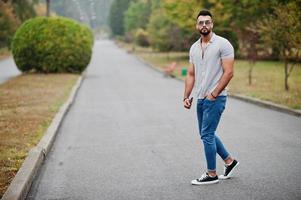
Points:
[(28, 103), (268, 76)]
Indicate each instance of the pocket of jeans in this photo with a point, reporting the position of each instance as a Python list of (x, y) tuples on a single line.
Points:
[(209, 104), (214, 100)]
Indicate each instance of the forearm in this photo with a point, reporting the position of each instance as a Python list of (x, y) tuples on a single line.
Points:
[(224, 81), (189, 83), (227, 65)]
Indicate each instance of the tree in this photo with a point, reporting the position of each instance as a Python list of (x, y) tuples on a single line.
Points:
[(24, 9), (183, 13), (8, 24), (48, 7), (163, 34), (116, 16), (243, 17), (137, 15), (283, 29), (158, 29), (12, 13)]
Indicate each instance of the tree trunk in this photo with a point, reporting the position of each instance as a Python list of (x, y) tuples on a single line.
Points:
[(47, 8), (250, 72), (286, 75), (251, 39), (168, 55)]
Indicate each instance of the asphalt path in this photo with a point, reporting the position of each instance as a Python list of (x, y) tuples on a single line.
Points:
[(8, 69), (127, 136)]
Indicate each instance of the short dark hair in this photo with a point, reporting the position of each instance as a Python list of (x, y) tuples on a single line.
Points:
[(204, 13)]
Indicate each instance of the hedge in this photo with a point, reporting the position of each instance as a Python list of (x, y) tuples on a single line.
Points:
[(52, 45)]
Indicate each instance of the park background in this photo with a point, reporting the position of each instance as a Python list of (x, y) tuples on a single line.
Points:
[(266, 36)]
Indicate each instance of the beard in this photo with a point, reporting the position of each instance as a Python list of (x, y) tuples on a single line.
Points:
[(206, 32)]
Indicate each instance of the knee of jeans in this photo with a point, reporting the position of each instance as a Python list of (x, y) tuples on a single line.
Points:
[(208, 138)]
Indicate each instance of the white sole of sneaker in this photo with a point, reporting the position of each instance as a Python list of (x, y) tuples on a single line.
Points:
[(222, 177), (195, 182)]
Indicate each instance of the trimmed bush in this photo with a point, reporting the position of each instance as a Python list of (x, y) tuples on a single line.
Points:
[(141, 37), (52, 45)]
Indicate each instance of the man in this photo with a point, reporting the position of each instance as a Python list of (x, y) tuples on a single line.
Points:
[(211, 69)]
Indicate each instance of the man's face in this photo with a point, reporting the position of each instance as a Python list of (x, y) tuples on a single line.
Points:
[(204, 24)]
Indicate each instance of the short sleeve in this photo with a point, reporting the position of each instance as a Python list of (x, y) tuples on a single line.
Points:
[(190, 56), (227, 50)]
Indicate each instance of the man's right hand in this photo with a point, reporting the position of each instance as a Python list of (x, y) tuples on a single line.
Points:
[(187, 103)]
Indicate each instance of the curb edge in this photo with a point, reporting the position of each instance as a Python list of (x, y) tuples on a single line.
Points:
[(19, 187), (267, 104)]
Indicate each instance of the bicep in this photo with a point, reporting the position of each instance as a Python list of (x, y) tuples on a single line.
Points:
[(228, 64)]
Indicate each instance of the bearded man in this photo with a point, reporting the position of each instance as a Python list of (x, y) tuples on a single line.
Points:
[(211, 61)]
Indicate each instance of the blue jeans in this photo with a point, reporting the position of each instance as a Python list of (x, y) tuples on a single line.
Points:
[(209, 114)]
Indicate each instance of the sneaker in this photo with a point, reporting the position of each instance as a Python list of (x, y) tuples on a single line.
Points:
[(205, 180), (228, 170)]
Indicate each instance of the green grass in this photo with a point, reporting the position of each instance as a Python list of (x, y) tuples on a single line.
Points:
[(268, 76), (268, 82)]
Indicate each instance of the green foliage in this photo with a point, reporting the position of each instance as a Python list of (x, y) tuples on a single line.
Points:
[(283, 29), (141, 37), (158, 29), (163, 34), (52, 45), (242, 18), (116, 16), (246, 12), (182, 13), (24, 9), (137, 15), (11, 13), (8, 24), (222, 21), (155, 4), (171, 25), (230, 35)]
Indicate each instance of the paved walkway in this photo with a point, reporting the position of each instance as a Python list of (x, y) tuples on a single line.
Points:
[(8, 69), (128, 137)]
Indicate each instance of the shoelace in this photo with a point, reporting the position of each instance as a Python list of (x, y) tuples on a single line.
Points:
[(203, 176), (225, 168)]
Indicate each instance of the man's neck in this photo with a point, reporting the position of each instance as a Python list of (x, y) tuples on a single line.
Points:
[(206, 38)]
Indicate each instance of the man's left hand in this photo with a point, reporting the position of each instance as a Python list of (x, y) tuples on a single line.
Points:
[(210, 97)]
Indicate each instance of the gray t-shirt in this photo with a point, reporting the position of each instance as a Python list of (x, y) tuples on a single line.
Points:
[(209, 70)]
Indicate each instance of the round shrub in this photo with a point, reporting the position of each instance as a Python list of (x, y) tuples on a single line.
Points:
[(52, 45)]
